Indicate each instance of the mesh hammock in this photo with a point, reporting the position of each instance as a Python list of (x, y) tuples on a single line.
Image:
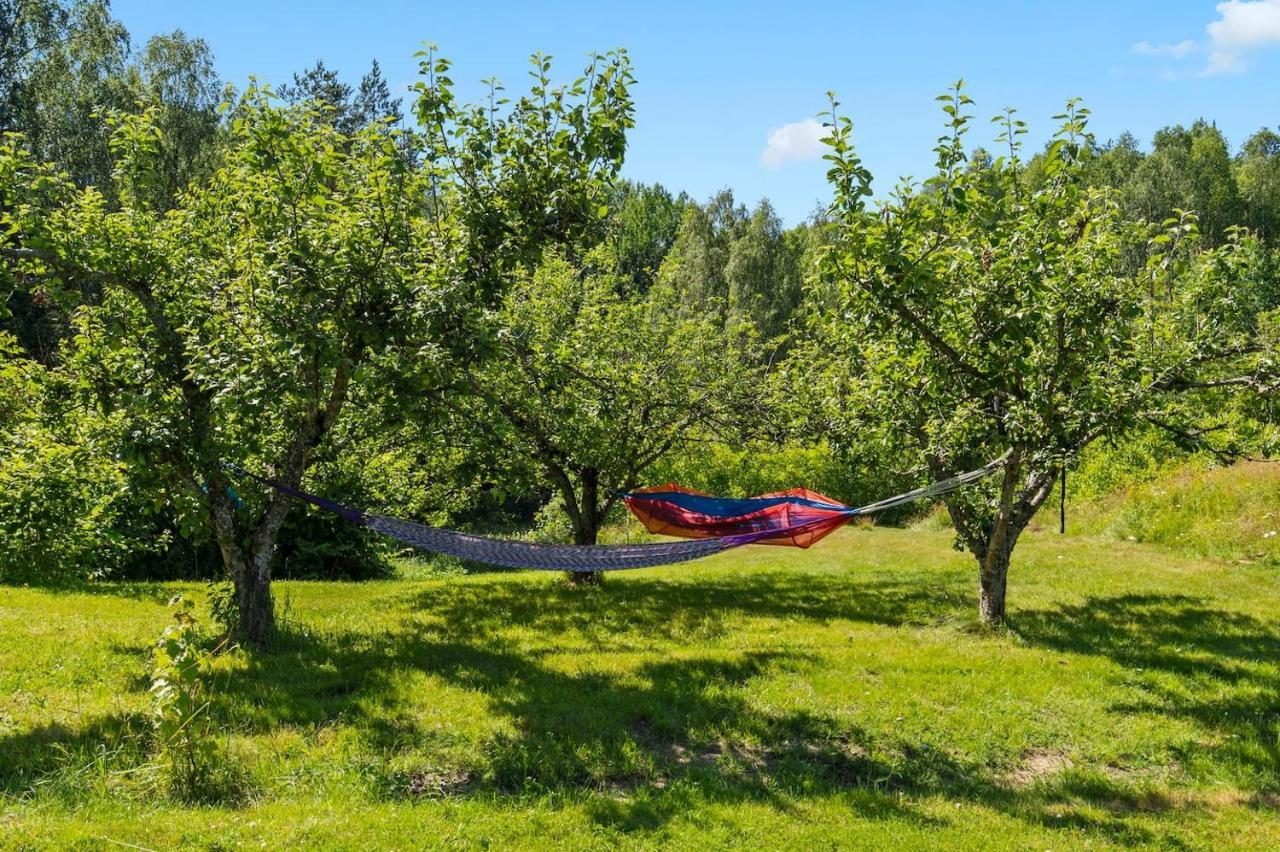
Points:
[(797, 518)]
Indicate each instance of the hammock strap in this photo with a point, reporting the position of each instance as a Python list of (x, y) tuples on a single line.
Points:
[(936, 489), (353, 515)]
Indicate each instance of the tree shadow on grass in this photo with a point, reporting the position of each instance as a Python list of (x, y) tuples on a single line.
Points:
[(658, 737), (673, 723), (649, 742), (60, 757), (679, 716), (1186, 659), (454, 631)]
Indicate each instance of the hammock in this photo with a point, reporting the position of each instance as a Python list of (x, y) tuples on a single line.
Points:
[(797, 518)]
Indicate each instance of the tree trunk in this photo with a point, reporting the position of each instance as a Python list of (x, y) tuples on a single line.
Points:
[(253, 598), (586, 526), (992, 579), (250, 571), (586, 534), (253, 583), (992, 540)]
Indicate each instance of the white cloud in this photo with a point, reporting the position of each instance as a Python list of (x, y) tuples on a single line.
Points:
[(800, 140), (1244, 26), (1176, 51)]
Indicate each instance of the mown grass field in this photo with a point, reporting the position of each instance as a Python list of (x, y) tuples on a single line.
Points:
[(840, 697)]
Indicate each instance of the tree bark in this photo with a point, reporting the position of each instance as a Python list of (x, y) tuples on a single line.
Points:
[(992, 580), (586, 525), (1009, 525), (993, 562), (248, 567), (253, 598)]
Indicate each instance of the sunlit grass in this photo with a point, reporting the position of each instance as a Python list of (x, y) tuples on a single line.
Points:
[(1227, 513), (767, 697)]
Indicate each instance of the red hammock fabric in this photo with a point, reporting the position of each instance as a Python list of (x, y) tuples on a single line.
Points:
[(794, 518)]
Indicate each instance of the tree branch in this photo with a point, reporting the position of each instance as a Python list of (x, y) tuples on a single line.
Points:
[(1194, 438), (935, 341)]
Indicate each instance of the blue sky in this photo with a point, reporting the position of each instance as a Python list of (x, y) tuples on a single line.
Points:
[(715, 80)]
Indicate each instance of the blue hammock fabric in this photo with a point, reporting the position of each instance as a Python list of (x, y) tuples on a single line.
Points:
[(792, 517)]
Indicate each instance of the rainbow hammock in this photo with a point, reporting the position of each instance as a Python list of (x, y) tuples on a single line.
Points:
[(795, 518)]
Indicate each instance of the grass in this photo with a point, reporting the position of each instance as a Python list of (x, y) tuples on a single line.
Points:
[(770, 698), (1224, 513)]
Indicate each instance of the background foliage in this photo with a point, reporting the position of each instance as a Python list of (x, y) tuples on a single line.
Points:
[(733, 288)]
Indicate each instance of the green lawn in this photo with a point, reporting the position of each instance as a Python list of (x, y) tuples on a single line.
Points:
[(840, 697)]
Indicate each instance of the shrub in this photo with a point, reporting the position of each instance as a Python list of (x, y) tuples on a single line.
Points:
[(196, 768), (1138, 458), (62, 512)]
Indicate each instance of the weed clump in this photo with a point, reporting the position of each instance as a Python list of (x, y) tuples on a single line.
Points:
[(196, 767)]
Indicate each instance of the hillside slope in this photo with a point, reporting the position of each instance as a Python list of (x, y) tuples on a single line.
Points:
[(1230, 513)]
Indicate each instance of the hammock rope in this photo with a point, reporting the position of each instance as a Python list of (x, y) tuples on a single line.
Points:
[(759, 523)]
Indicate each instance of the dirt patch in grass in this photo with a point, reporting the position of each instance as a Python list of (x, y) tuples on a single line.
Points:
[(438, 785), (1037, 765)]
